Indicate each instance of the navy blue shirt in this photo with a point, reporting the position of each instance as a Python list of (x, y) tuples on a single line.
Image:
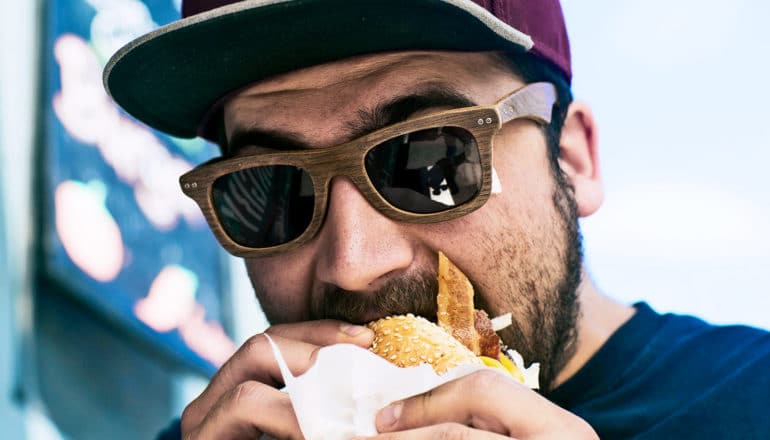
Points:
[(669, 377)]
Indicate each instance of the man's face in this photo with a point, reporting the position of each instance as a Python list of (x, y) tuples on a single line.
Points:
[(520, 250)]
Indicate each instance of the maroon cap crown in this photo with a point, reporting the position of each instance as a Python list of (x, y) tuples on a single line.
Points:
[(542, 20)]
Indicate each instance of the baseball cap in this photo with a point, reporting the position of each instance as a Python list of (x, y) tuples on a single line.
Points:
[(173, 78)]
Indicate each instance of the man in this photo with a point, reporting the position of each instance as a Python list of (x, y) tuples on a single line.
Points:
[(357, 142)]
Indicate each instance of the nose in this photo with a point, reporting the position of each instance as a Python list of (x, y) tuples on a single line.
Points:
[(360, 248)]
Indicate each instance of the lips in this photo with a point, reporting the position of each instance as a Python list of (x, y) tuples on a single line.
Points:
[(358, 316)]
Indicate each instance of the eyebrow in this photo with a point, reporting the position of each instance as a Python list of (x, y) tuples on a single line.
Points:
[(389, 112), (400, 108)]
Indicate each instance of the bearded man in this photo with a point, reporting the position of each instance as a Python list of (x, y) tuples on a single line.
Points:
[(358, 140)]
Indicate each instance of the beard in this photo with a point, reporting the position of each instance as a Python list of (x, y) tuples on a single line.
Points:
[(537, 282)]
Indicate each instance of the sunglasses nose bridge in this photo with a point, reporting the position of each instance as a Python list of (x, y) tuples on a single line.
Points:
[(344, 161), (348, 161)]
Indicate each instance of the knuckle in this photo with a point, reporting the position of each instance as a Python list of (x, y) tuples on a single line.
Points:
[(255, 341), (255, 344), (582, 429), (276, 330), (189, 417), (483, 380), (247, 392)]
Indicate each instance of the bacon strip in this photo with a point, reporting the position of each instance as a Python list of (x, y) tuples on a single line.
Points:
[(489, 342)]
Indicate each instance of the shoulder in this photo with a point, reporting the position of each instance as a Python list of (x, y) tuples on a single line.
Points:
[(709, 380), (686, 348), (687, 337), (677, 376)]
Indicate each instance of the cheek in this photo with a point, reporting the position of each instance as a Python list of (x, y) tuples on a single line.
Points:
[(522, 165), (513, 242), (521, 215), (282, 287)]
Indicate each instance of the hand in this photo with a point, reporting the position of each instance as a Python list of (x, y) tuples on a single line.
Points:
[(243, 399), (483, 405)]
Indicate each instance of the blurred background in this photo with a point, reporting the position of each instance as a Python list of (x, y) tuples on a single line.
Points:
[(116, 304)]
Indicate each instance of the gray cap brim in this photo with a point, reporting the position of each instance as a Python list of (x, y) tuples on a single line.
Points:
[(171, 77)]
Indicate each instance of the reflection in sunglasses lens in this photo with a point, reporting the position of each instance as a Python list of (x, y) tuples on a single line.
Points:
[(264, 206), (426, 171)]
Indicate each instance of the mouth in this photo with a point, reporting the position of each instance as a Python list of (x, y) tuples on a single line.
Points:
[(365, 315), (374, 315), (414, 294)]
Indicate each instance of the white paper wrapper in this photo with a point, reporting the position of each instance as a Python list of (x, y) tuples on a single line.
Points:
[(339, 396), (531, 374)]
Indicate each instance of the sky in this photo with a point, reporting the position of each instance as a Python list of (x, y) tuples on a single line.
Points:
[(679, 91)]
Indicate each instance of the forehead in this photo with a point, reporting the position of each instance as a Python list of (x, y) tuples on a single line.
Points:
[(328, 96)]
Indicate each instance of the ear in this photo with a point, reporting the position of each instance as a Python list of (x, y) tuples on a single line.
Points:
[(579, 157)]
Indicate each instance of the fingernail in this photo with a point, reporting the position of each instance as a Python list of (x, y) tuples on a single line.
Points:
[(390, 414), (352, 330)]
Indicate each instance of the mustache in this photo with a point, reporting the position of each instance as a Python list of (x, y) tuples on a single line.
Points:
[(412, 294)]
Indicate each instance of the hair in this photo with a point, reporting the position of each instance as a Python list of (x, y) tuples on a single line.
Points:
[(531, 69)]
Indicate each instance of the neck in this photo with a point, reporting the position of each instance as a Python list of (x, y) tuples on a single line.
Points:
[(600, 316)]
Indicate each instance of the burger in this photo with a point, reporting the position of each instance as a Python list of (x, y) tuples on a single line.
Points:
[(462, 335)]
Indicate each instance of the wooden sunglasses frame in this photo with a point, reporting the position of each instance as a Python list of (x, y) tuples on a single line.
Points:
[(534, 101)]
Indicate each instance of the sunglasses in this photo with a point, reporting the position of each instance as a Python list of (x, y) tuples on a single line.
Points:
[(428, 169)]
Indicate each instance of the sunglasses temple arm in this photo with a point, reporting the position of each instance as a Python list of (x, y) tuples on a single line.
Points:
[(534, 101)]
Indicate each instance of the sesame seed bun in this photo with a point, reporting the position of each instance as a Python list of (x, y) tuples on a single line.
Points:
[(409, 340)]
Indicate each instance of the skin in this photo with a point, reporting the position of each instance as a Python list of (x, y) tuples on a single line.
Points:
[(359, 251)]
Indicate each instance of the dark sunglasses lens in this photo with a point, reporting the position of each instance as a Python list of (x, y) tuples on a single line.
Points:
[(264, 206), (426, 171)]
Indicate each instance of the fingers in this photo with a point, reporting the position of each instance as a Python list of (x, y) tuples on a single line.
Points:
[(254, 360), (247, 411), (445, 431), (324, 332), (486, 400)]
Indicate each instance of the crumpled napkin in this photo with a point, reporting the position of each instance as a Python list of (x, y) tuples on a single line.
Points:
[(339, 396)]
